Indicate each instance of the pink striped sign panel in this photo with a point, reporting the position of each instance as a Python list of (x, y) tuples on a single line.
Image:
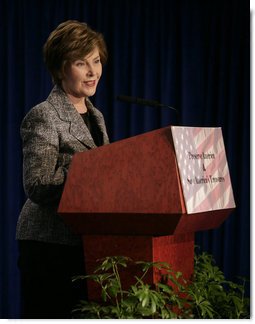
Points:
[(203, 168)]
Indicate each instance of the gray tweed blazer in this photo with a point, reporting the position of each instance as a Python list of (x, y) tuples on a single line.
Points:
[(51, 133)]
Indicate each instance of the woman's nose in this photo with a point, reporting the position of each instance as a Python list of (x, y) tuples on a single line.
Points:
[(90, 70)]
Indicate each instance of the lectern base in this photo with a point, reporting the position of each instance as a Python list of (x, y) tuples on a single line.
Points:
[(177, 250)]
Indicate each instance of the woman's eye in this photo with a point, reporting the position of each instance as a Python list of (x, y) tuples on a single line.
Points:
[(79, 64)]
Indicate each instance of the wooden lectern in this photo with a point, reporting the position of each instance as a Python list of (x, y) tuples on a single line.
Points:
[(126, 199)]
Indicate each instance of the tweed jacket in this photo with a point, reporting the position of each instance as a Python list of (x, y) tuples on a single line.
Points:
[(51, 133)]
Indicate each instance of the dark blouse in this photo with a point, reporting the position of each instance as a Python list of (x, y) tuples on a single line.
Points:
[(96, 134)]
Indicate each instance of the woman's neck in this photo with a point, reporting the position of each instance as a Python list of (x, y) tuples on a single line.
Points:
[(79, 104), (81, 107)]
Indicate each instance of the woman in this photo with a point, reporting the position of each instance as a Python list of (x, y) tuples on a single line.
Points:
[(66, 123)]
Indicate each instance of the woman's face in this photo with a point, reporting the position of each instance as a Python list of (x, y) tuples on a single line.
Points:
[(82, 76)]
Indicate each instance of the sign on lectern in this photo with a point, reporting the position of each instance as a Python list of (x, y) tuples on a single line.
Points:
[(203, 168)]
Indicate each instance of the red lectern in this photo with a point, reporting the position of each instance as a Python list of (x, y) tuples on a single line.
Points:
[(126, 199)]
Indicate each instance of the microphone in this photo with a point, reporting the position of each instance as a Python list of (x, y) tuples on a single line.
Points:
[(144, 102)]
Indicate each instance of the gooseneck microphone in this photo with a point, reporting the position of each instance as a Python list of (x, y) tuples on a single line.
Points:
[(144, 102)]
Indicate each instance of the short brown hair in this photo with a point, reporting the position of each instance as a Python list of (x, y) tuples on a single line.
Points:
[(70, 41)]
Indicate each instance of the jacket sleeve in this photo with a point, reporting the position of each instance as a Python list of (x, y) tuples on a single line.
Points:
[(43, 175)]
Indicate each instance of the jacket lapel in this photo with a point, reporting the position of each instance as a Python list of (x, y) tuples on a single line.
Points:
[(68, 113), (99, 120), (79, 130)]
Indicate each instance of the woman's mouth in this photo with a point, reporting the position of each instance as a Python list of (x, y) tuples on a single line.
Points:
[(90, 83)]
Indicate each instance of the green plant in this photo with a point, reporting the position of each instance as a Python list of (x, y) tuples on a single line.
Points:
[(207, 295), (212, 295)]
